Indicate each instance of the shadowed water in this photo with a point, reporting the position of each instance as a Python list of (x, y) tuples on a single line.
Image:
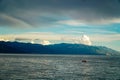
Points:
[(59, 67)]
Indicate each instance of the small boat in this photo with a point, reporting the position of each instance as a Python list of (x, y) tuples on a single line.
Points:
[(84, 61)]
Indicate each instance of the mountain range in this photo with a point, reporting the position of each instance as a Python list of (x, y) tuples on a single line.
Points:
[(63, 48)]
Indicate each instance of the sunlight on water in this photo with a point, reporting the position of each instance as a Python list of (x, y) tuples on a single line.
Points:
[(62, 67)]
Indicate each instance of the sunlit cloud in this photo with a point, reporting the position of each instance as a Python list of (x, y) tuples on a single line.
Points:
[(86, 40), (44, 42), (45, 38), (71, 23)]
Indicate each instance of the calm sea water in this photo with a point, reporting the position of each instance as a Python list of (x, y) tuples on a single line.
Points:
[(59, 67)]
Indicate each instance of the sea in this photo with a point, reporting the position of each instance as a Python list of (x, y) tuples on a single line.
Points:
[(59, 67)]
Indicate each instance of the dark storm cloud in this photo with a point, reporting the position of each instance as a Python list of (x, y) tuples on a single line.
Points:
[(30, 13)]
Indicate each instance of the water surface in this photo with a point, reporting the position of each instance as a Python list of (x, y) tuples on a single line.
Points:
[(59, 67)]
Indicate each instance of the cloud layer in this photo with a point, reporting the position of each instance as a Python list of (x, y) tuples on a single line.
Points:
[(56, 38), (35, 13)]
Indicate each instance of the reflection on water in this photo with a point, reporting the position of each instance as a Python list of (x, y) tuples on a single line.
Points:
[(62, 67)]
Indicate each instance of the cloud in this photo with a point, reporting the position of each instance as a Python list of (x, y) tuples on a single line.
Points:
[(41, 13), (71, 23), (44, 42), (38, 37), (82, 22), (19, 39), (6, 20), (86, 40), (78, 39), (105, 38)]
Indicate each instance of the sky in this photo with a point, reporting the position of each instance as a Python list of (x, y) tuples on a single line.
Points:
[(92, 22)]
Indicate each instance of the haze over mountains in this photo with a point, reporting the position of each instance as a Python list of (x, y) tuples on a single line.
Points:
[(63, 48)]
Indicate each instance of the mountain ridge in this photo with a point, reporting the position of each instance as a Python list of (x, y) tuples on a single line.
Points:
[(62, 48)]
